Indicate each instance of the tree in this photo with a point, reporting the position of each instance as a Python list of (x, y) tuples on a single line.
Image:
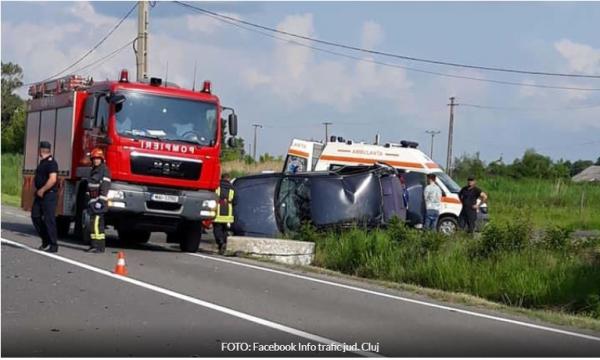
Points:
[(597, 161), (469, 165), (532, 165), (13, 109), (14, 133), (561, 169), (228, 153), (580, 165), (266, 157)]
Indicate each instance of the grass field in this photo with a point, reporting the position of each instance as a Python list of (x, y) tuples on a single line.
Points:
[(239, 168), (12, 179), (547, 202), (506, 264)]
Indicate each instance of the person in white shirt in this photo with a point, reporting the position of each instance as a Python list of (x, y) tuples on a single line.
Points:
[(433, 202)]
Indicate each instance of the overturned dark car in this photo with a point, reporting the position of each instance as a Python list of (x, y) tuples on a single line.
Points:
[(269, 205)]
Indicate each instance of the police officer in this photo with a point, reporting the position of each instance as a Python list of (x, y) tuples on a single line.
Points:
[(98, 186), (224, 217), (43, 212)]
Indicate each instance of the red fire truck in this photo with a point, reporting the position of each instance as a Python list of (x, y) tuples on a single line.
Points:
[(162, 146)]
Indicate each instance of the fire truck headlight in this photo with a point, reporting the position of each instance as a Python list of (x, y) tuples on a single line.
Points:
[(115, 195), (207, 213), (210, 204), (117, 204)]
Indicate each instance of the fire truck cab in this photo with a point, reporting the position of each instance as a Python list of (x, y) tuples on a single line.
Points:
[(338, 152), (162, 145)]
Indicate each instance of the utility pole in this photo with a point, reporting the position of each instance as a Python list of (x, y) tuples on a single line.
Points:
[(450, 134), (256, 126), (327, 123), (433, 133), (141, 52)]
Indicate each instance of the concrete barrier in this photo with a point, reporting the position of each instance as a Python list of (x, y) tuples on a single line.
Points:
[(284, 251)]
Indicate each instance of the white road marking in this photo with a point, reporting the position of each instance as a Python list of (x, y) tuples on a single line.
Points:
[(235, 313), (395, 297), (424, 303)]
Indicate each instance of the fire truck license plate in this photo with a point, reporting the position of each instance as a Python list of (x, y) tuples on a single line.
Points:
[(165, 198)]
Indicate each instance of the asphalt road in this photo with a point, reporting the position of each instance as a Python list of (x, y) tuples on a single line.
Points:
[(179, 304)]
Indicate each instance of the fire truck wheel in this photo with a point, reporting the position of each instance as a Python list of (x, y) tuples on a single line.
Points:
[(173, 237), (190, 236), (81, 231), (134, 236), (63, 224)]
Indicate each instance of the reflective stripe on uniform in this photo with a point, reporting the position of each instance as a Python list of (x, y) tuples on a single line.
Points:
[(106, 179), (97, 235), (229, 217)]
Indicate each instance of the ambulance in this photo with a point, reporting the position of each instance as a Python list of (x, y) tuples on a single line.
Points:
[(412, 163)]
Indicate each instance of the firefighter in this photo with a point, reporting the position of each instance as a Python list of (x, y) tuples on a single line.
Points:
[(224, 217), (98, 186), (44, 202)]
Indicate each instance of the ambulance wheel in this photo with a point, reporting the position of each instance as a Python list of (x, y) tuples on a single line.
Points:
[(447, 225), (191, 234), (63, 224), (134, 236)]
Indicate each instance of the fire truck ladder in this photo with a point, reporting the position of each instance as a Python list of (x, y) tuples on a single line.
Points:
[(57, 86)]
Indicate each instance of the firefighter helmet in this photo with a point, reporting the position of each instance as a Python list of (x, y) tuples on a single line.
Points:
[(97, 153)]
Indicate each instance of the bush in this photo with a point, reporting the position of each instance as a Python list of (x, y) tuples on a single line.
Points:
[(557, 238), (498, 238)]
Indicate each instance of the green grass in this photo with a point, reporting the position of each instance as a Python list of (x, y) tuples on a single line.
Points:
[(11, 200), (12, 179), (506, 264), (546, 202)]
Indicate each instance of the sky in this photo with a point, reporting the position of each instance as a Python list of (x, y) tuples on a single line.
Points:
[(291, 90)]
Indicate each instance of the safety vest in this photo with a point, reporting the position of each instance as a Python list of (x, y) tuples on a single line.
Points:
[(225, 194)]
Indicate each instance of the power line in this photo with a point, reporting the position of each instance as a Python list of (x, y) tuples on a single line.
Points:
[(382, 53), (508, 108), (106, 57), (117, 25), (367, 60)]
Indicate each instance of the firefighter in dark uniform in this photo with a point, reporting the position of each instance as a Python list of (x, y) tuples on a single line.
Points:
[(224, 217), (98, 186), (43, 211)]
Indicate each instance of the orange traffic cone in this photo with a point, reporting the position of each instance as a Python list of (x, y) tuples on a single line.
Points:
[(121, 269)]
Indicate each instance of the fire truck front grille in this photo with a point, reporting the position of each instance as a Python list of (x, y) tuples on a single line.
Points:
[(165, 167)]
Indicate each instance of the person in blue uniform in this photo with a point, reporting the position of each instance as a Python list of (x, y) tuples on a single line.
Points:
[(43, 212)]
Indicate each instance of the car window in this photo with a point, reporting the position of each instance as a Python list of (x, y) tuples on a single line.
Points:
[(294, 164), (293, 203)]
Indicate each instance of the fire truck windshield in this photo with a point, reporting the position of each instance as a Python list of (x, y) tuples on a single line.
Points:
[(166, 118)]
